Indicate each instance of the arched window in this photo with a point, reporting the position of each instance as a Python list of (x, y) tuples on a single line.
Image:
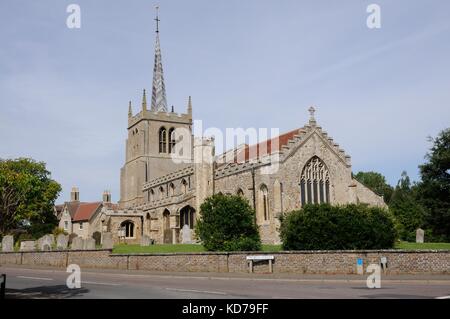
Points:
[(315, 182), (128, 228), (161, 192), (152, 195), (187, 217), (264, 202), (171, 189), (163, 140), (172, 140), (167, 233), (240, 192), (184, 186)]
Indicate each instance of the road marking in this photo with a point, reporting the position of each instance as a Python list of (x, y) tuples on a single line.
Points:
[(197, 291), (34, 278), (99, 283), (293, 280), (443, 297)]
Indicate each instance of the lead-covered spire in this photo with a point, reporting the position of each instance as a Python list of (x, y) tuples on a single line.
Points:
[(159, 101)]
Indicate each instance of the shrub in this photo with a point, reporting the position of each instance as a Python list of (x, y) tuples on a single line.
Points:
[(57, 231), (20, 238), (228, 224), (326, 227)]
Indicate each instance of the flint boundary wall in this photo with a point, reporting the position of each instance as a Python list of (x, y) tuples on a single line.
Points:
[(302, 262)]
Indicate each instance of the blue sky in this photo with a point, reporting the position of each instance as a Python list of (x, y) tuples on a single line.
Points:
[(379, 92)]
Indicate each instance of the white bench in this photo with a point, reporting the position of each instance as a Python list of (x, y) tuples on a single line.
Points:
[(253, 258)]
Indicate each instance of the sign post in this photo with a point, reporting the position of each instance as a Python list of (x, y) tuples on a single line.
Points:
[(2, 286)]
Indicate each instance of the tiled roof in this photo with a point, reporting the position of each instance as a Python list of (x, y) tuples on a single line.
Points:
[(72, 208), (85, 211), (267, 147)]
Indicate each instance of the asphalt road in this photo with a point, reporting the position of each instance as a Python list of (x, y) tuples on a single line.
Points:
[(51, 283)]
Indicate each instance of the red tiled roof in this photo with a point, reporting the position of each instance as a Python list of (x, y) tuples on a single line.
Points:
[(85, 211), (72, 207), (265, 148)]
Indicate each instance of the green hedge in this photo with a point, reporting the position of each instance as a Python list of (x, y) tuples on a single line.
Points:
[(228, 224), (326, 227)]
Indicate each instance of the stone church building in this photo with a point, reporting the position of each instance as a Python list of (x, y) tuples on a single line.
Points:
[(160, 197)]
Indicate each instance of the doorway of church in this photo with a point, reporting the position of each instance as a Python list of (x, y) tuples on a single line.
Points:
[(187, 217), (166, 228)]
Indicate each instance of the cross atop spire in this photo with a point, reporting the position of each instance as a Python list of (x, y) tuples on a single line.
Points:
[(311, 111), (159, 102)]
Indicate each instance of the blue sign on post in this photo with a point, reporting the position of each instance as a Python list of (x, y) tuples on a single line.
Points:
[(359, 266)]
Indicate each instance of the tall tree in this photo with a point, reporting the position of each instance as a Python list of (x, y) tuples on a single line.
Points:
[(434, 189), (27, 196), (406, 209), (377, 183)]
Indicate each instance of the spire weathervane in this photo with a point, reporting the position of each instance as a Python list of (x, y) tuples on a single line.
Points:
[(157, 18)]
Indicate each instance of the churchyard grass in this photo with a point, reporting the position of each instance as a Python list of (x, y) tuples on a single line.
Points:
[(192, 248), (168, 248)]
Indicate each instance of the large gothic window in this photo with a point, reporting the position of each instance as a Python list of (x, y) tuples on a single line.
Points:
[(163, 140), (172, 140), (315, 182)]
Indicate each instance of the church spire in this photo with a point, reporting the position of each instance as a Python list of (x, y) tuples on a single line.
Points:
[(159, 102)]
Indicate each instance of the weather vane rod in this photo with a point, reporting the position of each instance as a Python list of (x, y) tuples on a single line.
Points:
[(157, 19)]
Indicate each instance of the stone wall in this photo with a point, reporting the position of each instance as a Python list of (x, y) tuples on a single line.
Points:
[(301, 262)]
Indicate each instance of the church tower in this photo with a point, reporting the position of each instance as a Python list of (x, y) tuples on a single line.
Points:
[(151, 137)]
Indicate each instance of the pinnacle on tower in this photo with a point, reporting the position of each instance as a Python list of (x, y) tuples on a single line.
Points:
[(130, 111), (144, 101), (159, 102), (189, 108)]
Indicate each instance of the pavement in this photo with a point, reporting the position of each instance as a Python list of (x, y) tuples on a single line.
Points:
[(38, 282)]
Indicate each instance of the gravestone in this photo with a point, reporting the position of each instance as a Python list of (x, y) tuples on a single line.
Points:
[(146, 240), (89, 244), (186, 235), (62, 241), (77, 243), (107, 241), (45, 243), (420, 235), (8, 243), (28, 245)]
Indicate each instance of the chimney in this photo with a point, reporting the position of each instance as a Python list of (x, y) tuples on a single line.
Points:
[(106, 196), (75, 195)]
